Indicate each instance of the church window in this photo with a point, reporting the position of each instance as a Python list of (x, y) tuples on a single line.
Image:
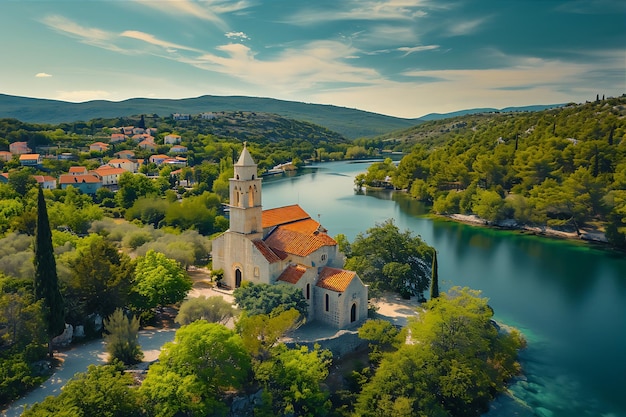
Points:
[(238, 278), (256, 271), (326, 302), (250, 197), (308, 291), (353, 313)]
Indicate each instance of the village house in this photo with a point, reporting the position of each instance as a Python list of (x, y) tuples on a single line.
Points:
[(6, 156), (207, 116), (285, 245), (181, 116), (171, 139), (18, 148), (77, 171), (118, 137), (129, 165), (147, 144), (125, 154), (98, 147), (109, 175), (46, 181), (178, 149), (86, 183), (31, 159)]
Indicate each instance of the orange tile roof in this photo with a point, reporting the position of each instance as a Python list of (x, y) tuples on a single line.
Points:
[(77, 170), (109, 170), (297, 243), (29, 156), (282, 215), (292, 274), (267, 252), (335, 279), (308, 226), (76, 179)]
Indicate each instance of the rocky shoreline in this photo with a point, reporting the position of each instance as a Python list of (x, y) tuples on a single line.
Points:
[(586, 234)]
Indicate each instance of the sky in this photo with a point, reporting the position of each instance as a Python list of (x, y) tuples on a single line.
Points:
[(404, 58)]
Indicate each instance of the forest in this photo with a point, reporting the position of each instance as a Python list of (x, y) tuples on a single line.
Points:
[(563, 168)]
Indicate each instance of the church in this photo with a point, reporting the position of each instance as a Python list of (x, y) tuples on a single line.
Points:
[(285, 245)]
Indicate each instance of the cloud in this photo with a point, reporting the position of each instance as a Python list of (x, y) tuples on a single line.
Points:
[(82, 95), (409, 50), (42, 75), (209, 10), (87, 35), (237, 35), (151, 39), (369, 10), (466, 27)]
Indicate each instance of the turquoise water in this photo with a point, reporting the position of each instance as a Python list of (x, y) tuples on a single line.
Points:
[(568, 299)]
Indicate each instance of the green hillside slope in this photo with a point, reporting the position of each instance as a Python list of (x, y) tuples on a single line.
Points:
[(351, 123)]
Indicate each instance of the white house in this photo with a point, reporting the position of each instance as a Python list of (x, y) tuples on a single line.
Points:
[(129, 165), (171, 139), (285, 245), (109, 175)]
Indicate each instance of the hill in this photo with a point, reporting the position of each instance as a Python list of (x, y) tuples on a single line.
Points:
[(351, 123), (438, 116)]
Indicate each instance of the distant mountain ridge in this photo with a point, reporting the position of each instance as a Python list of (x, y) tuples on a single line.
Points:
[(439, 116), (351, 123)]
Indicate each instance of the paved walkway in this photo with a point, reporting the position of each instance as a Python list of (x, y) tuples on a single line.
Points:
[(78, 358)]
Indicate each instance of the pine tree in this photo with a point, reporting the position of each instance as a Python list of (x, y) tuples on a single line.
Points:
[(121, 338), (434, 284), (46, 279)]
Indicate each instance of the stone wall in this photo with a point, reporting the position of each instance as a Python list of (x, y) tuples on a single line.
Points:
[(342, 342)]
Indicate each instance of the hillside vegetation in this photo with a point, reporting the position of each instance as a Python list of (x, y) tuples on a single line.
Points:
[(563, 168), (351, 123)]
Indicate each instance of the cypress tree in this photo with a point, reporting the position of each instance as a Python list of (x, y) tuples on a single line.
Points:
[(434, 284), (46, 279)]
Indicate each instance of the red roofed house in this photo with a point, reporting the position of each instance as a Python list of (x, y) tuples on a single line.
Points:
[(86, 183), (19, 148), (117, 137), (6, 156), (46, 181), (98, 147), (77, 171), (30, 159), (285, 245), (109, 175)]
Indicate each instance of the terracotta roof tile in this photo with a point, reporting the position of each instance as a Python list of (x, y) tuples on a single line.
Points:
[(292, 274), (282, 215), (267, 252), (335, 279), (76, 179), (297, 243)]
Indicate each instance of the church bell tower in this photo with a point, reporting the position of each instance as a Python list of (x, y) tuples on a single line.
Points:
[(245, 197)]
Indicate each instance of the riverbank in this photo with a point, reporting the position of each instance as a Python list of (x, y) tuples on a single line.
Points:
[(586, 234)]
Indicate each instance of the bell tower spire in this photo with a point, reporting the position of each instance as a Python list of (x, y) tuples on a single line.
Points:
[(245, 197)]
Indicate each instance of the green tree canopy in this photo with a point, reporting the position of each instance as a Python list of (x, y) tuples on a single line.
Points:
[(452, 364), (195, 371), (159, 281), (388, 259), (212, 309), (265, 298), (103, 390)]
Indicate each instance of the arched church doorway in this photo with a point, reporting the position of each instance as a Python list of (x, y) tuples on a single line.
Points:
[(353, 313), (237, 278)]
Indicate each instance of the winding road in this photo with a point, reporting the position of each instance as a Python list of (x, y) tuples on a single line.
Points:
[(78, 358)]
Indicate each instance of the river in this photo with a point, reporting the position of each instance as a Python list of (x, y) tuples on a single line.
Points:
[(567, 298)]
